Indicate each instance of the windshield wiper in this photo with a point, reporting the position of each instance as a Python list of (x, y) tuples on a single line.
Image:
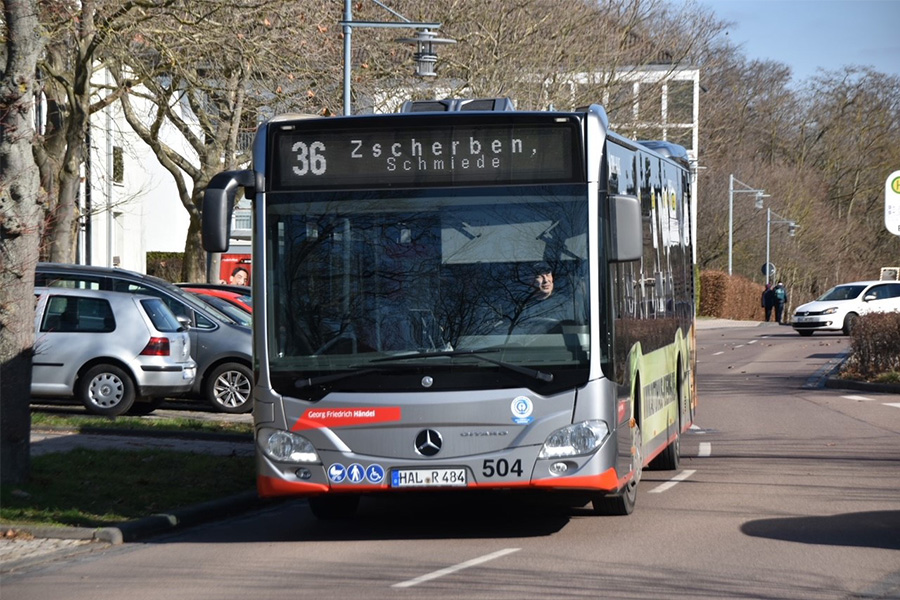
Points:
[(323, 379), (474, 353)]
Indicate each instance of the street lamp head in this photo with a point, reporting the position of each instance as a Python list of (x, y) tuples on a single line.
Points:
[(426, 57)]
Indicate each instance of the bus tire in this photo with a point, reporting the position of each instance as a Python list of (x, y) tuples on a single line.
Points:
[(670, 457), (332, 508), (622, 503)]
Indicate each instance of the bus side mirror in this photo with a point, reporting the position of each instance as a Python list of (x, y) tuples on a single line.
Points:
[(626, 241), (218, 203)]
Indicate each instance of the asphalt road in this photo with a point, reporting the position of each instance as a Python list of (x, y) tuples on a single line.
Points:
[(787, 490)]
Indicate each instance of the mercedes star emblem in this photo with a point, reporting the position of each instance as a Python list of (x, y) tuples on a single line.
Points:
[(428, 442)]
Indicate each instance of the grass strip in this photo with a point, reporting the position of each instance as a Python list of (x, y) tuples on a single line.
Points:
[(93, 488), (145, 423)]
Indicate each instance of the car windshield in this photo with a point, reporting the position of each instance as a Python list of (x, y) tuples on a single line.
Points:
[(237, 314), (842, 292)]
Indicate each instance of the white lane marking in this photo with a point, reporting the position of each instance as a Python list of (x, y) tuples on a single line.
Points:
[(752, 342), (705, 449), (894, 404), (857, 398), (455, 568), (718, 353), (739, 346), (672, 482)]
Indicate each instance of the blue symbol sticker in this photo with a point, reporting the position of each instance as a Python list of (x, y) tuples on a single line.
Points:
[(522, 408), (375, 473), (337, 473), (355, 473)]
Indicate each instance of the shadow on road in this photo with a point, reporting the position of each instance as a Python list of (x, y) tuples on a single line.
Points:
[(407, 517), (876, 529)]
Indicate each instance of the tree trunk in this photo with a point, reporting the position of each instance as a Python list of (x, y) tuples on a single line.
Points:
[(21, 209), (64, 222), (194, 266), (64, 219)]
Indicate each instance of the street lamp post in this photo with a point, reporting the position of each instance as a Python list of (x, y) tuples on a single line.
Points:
[(424, 39), (760, 194), (792, 230)]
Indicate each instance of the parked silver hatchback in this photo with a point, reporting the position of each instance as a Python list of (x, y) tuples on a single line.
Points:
[(108, 349)]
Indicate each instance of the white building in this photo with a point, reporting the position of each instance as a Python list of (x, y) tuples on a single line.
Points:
[(128, 200)]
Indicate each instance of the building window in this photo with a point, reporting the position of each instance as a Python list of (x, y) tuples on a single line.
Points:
[(118, 173)]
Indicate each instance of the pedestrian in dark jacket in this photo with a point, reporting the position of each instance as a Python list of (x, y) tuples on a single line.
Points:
[(780, 300), (768, 301)]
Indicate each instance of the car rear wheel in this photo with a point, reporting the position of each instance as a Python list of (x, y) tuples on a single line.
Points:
[(106, 390), (229, 388), (145, 406)]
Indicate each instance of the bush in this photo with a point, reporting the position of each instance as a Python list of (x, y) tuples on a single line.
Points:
[(730, 297), (166, 265), (874, 347)]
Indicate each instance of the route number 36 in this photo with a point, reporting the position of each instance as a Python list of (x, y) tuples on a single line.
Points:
[(310, 158)]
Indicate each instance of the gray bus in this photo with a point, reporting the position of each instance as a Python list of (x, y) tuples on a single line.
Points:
[(464, 296)]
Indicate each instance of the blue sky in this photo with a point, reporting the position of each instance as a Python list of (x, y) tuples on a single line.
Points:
[(808, 34)]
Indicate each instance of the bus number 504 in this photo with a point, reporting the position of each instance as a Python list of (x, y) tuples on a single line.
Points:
[(311, 158), (501, 467)]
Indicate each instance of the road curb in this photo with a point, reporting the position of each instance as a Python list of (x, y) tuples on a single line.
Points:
[(826, 377), (146, 527), (862, 386)]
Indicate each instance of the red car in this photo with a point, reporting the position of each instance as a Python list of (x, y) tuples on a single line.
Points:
[(237, 295)]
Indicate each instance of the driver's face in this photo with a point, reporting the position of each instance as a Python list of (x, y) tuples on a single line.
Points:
[(544, 284)]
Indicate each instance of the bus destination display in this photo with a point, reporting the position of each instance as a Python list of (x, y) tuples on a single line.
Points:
[(395, 155)]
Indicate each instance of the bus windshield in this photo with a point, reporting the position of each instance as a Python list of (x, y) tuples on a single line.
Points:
[(370, 289)]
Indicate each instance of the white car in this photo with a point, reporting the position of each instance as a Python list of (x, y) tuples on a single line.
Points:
[(838, 308), (109, 350)]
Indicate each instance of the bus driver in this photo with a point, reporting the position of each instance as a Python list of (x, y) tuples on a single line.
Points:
[(545, 308)]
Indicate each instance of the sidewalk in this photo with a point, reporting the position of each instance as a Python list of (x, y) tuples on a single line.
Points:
[(714, 323)]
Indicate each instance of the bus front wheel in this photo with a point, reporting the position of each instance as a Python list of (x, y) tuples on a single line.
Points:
[(622, 503)]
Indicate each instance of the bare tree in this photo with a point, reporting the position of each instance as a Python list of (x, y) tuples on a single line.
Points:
[(21, 206), (77, 35), (821, 150), (564, 53), (211, 72)]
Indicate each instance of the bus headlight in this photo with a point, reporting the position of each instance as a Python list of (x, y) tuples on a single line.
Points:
[(285, 446), (575, 440)]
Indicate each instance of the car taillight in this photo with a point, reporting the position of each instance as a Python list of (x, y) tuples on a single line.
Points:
[(157, 346)]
